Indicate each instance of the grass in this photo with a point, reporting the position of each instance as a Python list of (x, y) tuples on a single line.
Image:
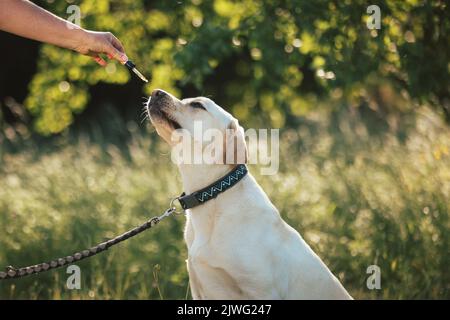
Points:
[(359, 196)]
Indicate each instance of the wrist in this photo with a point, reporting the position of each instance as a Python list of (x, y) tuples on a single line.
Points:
[(80, 39)]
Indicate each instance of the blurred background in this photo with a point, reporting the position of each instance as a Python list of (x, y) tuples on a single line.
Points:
[(365, 146)]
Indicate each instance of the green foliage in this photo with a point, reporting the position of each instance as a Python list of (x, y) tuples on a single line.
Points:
[(364, 176), (269, 57), (357, 199)]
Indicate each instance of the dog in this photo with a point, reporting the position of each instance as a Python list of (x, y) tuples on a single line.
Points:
[(238, 245)]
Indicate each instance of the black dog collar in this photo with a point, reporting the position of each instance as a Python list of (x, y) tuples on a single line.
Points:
[(213, 190)]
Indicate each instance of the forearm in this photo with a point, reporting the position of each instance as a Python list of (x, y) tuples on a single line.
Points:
[(26, 19)]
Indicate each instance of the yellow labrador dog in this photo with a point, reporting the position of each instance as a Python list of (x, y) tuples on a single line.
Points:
[(238, 245)]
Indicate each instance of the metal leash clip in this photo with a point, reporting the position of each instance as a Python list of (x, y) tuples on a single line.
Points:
[(171, 210), (174, 208)]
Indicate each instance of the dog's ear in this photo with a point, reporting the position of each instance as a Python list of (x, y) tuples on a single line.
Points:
[(235, 147)]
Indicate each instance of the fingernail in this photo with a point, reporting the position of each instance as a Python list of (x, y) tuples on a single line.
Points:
[(123, 57)]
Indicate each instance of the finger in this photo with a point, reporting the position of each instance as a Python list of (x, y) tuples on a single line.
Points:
[(117, 44), (99, 60), (115, 49), (116, 54)]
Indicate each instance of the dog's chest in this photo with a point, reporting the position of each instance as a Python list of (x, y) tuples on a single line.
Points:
[(212, 283)]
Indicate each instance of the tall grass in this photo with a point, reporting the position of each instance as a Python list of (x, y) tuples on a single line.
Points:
[(359, 198)]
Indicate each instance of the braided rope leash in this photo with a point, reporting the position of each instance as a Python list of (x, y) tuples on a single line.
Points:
[(12, 272)]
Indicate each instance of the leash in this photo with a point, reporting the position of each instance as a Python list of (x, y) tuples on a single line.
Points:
[(186, 201), (12, 272)]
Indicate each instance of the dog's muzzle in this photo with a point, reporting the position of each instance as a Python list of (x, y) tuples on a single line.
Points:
[(159, 108)]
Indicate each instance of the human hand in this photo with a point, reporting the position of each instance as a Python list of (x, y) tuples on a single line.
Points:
[(94, 43), (26, 19)]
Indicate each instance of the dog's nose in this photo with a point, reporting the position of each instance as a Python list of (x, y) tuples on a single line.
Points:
[(158, 93)]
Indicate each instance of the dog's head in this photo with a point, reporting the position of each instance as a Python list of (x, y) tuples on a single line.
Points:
[(168, 114)]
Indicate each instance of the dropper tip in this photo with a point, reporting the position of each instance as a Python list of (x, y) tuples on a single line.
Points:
[(140, 75)]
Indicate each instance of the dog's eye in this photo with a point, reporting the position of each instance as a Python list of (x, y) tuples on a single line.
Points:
[(197, 105)]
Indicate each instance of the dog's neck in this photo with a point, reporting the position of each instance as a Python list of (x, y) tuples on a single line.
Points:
[(198, 176), (203, 217), (242, 200)]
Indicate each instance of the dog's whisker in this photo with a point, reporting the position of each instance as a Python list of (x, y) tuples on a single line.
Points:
[(142, 121)]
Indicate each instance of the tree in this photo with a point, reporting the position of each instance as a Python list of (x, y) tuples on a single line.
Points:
[(271, 58)]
